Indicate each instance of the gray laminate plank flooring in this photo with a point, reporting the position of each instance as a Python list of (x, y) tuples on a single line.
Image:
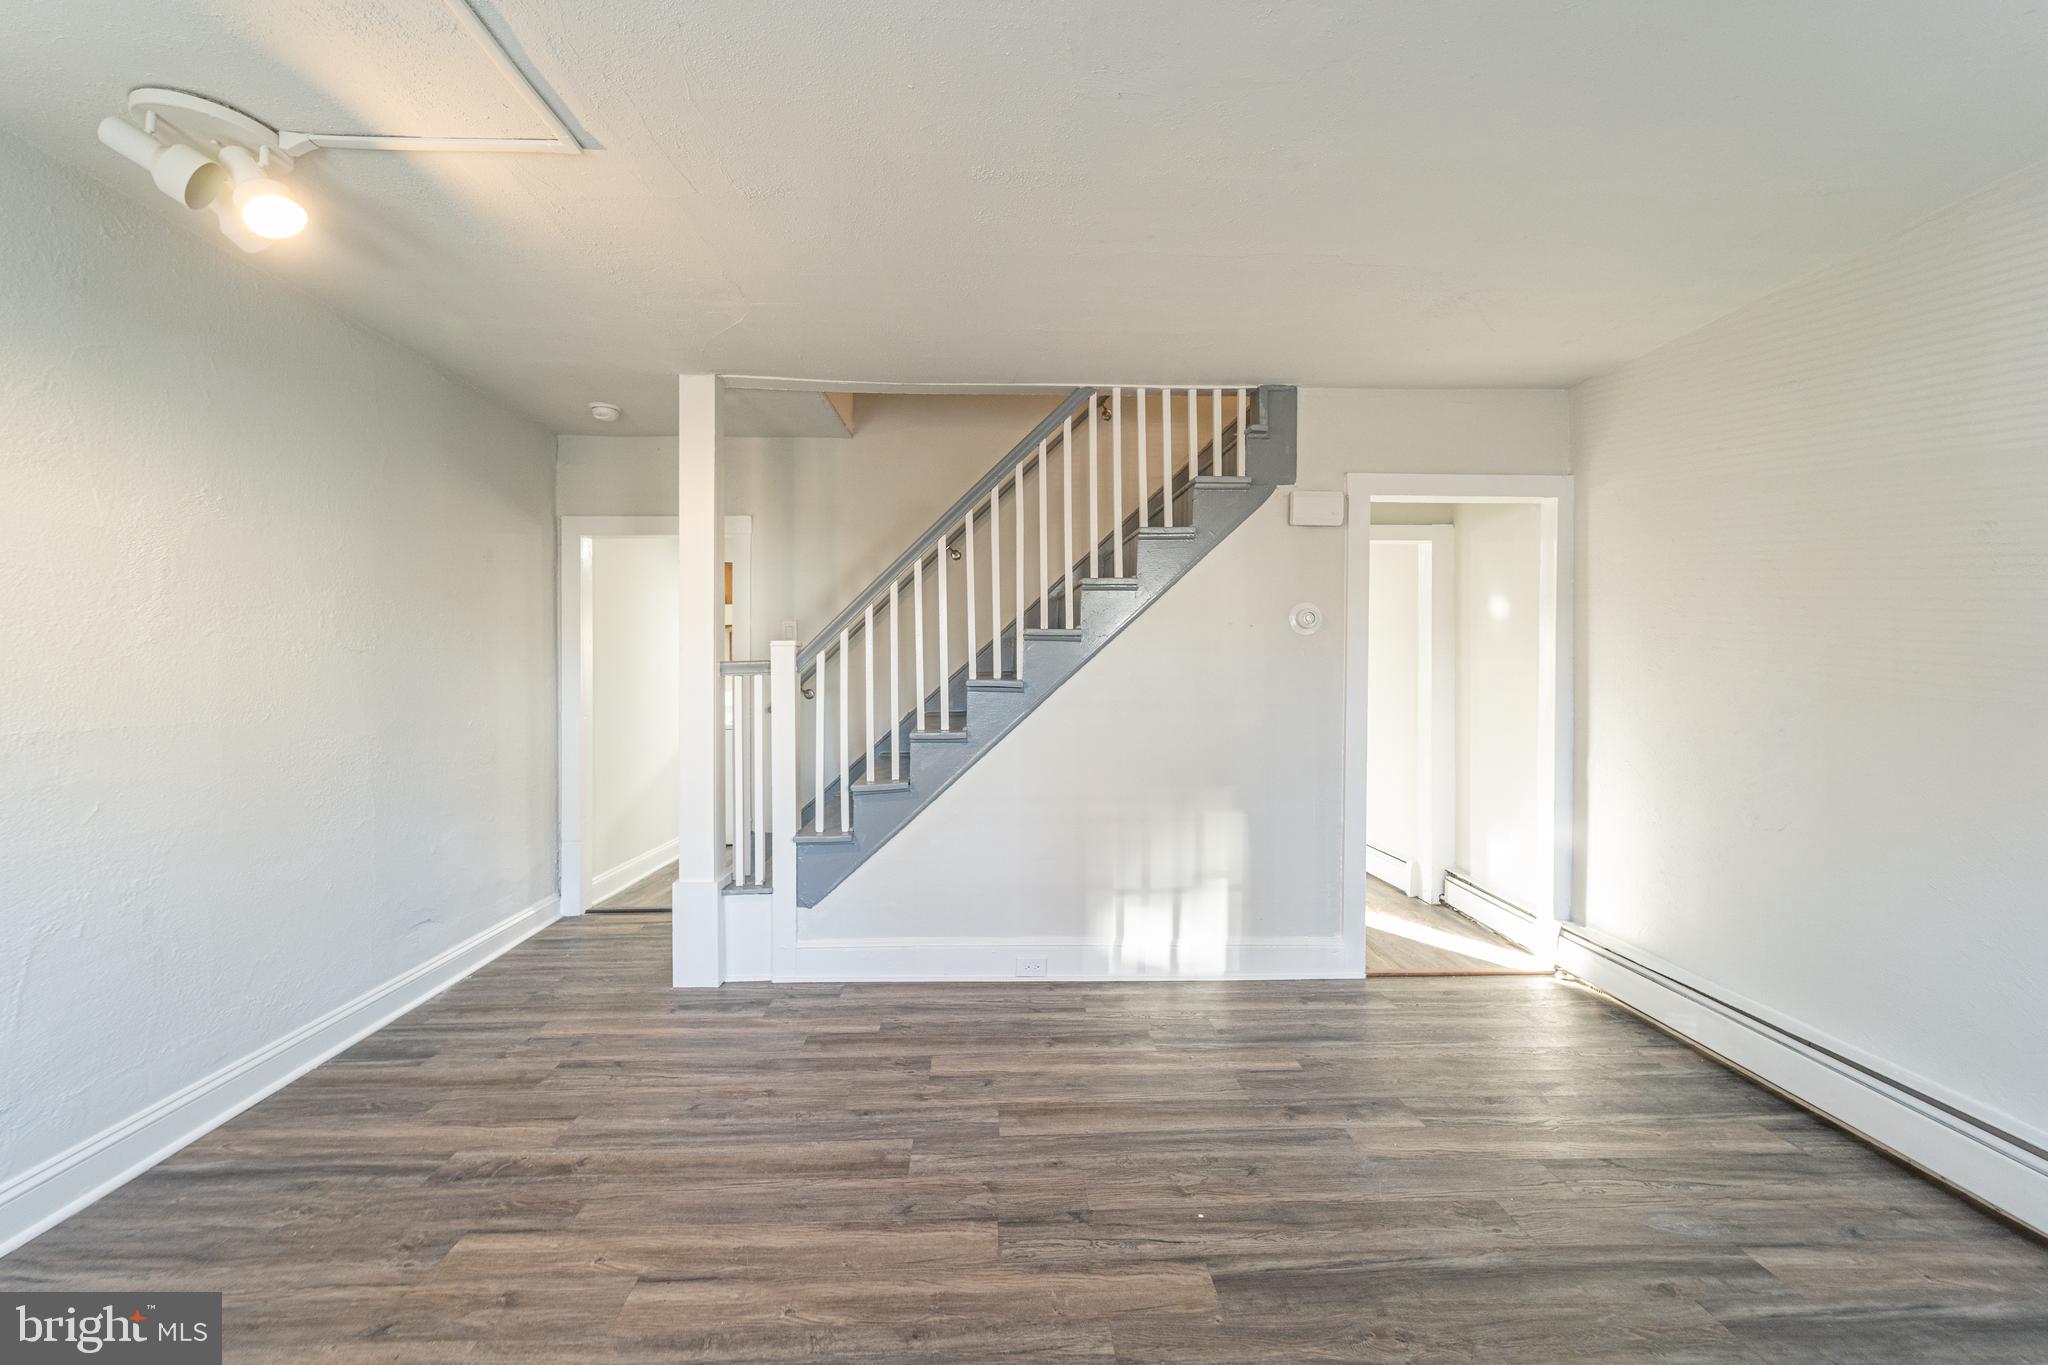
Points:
[(562, 1159), (654, 892), (1408, 937)]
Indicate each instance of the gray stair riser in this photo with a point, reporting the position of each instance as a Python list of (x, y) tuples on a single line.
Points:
[(1157, 562)]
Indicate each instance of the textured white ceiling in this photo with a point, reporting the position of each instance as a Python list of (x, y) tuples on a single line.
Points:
[(949, 191)]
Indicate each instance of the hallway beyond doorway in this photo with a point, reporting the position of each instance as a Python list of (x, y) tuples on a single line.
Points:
[(1408, 937)]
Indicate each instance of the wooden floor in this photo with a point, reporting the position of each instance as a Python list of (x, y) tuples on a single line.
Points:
[(562, 1159), (654, 892), (1408, 937)]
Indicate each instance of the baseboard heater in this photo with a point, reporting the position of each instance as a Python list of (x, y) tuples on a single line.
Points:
[(1984, 1160), (1525, 928)]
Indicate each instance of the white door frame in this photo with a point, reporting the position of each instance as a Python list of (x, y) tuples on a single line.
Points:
[(1435, 797), (1552, 496), (575, 651)]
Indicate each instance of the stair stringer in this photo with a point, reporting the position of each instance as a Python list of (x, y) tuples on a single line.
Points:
[(1218, 505)]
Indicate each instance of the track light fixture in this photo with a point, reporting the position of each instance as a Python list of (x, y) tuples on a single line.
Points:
[(211, 156), (206, 155)]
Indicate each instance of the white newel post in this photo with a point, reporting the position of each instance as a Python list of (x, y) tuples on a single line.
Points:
[(782, 811), (697, 924)]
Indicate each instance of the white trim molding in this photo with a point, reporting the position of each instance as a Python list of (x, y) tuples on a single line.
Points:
[(53, 1190), (613, 880), (1989, 1157), (1391, 868)]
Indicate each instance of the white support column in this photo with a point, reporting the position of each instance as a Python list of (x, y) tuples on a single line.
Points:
[(697, 925)]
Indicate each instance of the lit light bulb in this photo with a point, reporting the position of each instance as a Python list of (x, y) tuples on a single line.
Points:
[(265, 207), (268, 211)]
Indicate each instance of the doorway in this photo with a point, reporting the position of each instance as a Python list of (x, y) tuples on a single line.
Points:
[(1458, 827), (620, 708)]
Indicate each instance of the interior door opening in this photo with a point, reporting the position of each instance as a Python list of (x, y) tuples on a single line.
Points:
[(1460, 636)]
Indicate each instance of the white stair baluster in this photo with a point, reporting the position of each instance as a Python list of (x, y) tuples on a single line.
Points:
[(1044, 580), (895, 697), (1216, 432), (917, 630), (1144, 475), (968, 559), (818, 734), (1116, 497), (1067, 520), (945, 667), (845, 745), (759, 685), (867, 693), (1243, 420), (1017, 658), (732, 774), (740, 778), (1165, 450), (1094, 482), (1194, 455), (995, 580)]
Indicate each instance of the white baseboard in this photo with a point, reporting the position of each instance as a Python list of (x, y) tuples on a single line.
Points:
[(1525, 929), (53, 1190), (1389, 868), (995, 959), (2007, 1171), (613, 880)]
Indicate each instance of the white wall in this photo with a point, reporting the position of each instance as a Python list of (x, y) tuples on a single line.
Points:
[(1813, 583), (1503, 825), (1392, 741), (615, 476), (1179, 794), (831, 514), (635, 651), (1432, 431), (277, 698)]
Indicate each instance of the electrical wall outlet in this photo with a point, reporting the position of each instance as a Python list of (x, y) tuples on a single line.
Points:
[(1031, 966)]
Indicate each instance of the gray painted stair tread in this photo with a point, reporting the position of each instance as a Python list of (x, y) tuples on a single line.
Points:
[(995, 684), (1110, 584)]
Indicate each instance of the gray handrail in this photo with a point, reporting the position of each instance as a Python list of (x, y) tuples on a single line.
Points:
[(1076, 402)]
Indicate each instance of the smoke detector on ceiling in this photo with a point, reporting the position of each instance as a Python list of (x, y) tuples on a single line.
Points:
[(605, 412)]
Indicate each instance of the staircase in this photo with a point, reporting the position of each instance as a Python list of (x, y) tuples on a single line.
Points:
[(1010, 592)]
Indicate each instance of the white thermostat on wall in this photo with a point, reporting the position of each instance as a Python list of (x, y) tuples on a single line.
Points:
[(1315, 509)]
